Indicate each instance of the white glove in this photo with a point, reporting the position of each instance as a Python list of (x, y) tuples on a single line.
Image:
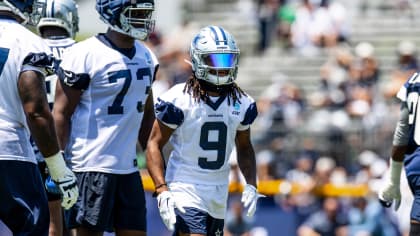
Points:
[(391, 192), (250, 198), (64, 178), (167, 205)]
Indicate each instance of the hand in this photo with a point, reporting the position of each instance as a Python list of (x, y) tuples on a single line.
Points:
[(67, 184), (64, 178), (167, 205), (250, 198), (391, 193)]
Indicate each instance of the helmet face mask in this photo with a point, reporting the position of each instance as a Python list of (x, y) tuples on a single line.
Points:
[(62, 14), (132, 18), (215, 56), (30, 11)]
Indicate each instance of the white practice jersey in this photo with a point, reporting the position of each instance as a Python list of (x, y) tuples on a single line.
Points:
[(20, 50), (57, 47), (204, 134), (106, 122)]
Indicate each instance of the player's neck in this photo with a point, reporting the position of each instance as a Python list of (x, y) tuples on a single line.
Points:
[(213, 94), (120, 40)]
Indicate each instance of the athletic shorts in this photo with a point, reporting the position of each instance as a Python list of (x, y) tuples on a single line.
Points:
[(108, 201), (23, 205), (44, 174), (414, 183), (196, 221), (209, 198)]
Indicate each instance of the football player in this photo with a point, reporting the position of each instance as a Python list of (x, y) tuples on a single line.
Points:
[(103, 106), (203, 119), (405, 153), (24, 61), (58, 27)]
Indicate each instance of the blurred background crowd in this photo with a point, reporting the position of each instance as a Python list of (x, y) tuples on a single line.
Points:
[(325, 74)]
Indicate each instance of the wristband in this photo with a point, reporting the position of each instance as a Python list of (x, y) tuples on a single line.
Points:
[(158, 187)]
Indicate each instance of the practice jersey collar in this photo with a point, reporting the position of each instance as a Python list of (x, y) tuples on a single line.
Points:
[(128, 52), (215, 105)]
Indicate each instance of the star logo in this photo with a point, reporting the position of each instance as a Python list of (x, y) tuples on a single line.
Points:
[(218, 232)]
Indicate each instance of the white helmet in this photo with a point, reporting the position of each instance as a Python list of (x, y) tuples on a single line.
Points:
[(62, 14), (214, 56)]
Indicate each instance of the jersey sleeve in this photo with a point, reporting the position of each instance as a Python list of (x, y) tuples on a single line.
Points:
[(38, 57), (73, 70), (167, 112), (249, 117), (402, 93)]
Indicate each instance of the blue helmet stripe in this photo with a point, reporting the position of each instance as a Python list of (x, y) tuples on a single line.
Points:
[(216, 36), (223, 34), (52, 9)]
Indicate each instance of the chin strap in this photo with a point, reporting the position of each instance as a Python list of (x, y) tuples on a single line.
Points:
[(207, 86)]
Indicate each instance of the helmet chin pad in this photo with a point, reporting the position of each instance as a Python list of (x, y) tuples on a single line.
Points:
[(210, 87)]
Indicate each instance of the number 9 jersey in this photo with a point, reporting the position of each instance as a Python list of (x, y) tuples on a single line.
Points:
[(204, 134)]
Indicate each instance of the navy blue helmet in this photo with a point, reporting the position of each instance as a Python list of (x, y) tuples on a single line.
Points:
[(130, 17), (30, 11)]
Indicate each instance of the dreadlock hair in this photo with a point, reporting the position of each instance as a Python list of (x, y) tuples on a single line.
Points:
[(199, 89)]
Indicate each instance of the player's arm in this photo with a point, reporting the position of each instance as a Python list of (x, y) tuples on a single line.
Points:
[(65, 102), (147, 122), (246, 156), (401, 135), (246, 160), (31, 87), (391, 190), (159, 136)]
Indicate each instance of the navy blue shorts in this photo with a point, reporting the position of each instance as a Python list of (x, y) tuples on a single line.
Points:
[(414, 183), (23, 205), (108, 201), (196, 221)]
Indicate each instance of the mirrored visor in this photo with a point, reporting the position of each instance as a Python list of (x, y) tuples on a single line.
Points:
[(220, 60)]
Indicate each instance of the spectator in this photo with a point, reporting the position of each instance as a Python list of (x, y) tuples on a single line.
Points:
[(369, 74), (286, 15), (328, 221), (236, 222), (313, 28), (367, 217), (265, 165), (340, 18), (267, 17), (407, 65)]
